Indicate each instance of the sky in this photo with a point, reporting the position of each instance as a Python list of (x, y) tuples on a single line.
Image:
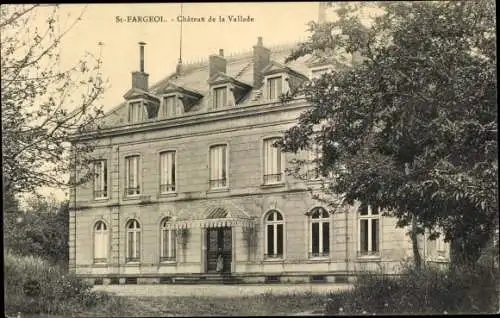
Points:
[(118, 28)]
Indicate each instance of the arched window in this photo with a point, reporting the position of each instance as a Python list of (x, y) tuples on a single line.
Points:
[(320, 232), (167, 252), (274, 235), (100, 242), (133, 241)]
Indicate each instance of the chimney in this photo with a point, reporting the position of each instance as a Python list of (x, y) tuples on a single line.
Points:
[(261, 58), (216, 64), (140, 79)]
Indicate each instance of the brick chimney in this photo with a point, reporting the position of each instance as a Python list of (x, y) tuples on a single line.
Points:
[(140, 79), (216, 64), (261, 58)]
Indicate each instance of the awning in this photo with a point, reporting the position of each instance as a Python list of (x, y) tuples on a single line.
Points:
[(215, 217)]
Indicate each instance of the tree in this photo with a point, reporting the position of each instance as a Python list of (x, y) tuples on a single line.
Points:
[(37, 98), (411, 128)]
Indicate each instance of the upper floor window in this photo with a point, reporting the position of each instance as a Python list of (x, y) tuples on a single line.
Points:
[(167, 172), (168, 242), (218, 166), (100, 242), (369, 228), (273, 235), (274, 87), (171, 107), (220, 97), (273, 172), (135, 112), (132, 166), (133, 241), (100, 179), (320, 233)]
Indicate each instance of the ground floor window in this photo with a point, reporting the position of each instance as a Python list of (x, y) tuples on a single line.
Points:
[(133, 241), (320, 233), (168, 242), (274, 228), (369, 231)]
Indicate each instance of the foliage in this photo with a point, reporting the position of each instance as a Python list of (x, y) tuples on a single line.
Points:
[(56, 292), (428, 291), (411, 125), (42, 231), (37, 96)]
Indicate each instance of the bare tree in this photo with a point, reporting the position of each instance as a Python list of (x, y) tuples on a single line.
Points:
[(42, 104)]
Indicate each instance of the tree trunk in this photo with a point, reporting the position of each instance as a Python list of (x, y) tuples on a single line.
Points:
[(414, 242)]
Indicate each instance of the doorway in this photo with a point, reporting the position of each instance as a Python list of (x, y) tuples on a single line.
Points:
[(219, 238)]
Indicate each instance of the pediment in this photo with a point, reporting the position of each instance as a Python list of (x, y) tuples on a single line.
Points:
[(136, 93), (274, 68), (172, 88), (222, 78)]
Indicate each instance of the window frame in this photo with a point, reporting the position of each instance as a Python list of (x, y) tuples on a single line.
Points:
[(104, 240), (104, 178), (136, 232), (138, 178), (321, 220), (215, 99), (161, 172), (264, 163), (210, 168), (369, 217), (271, 78), (142, 109), (172, 241), (274, 224), (177, 103)]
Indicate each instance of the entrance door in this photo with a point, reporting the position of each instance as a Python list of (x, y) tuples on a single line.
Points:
[(219, 238)]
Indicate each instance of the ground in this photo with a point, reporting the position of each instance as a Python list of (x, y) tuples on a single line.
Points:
[(215, 300)]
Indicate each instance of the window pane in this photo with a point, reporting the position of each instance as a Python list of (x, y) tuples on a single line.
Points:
[(130, 244), (165, 243), (172, 243), (315, 238), (271, 216), (223, 162), (280, 239), (363, 235), (279, 217), (270, 239), (363, 209), (326, 237), (138, 244), (375, 235)]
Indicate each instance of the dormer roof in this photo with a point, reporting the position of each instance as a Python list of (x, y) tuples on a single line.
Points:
[(137, 93), (222, 78), (172, 88), (274, 68)]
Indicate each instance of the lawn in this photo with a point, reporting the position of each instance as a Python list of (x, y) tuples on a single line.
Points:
[(262, 305)]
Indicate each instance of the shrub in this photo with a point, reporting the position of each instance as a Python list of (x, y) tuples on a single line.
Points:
[(33, 285), (430, 290)]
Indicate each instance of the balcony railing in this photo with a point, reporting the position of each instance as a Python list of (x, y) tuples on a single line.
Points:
[(218, 183), (273, 256), (368, 253), (319, 254), (168, 187), (132, 259), (167, 258), (272, 178), (101, 194), (132, 191)]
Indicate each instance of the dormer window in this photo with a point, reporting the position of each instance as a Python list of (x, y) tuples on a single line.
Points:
[(318, 71), (171, 106), (274, 87), (220, 97), (135, 112)]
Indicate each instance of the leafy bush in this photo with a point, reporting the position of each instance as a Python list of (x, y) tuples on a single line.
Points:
[(33, 285), (430, 290)]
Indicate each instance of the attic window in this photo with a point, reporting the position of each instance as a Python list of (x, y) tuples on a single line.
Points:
[(220, 97), (274, 87), (135, 112), (171, 107)]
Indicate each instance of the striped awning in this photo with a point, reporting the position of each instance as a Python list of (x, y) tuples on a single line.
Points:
[(215, 217)]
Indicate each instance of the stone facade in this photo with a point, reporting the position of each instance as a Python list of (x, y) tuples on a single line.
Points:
[(243, 129)]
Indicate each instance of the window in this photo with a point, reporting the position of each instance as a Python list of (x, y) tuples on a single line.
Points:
[(440, 245), (171, 107), (100, 179), (133, 241), (168, 242), (135, 112), (320, 233), (314, 154), (218, 164), (274, 235), (368, 243), (133, 176), (100, 242), (274, 89), (272, 162), (220, 97), (167, 172)]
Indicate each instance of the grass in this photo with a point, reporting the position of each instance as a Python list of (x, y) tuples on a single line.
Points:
[(263, 305)]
